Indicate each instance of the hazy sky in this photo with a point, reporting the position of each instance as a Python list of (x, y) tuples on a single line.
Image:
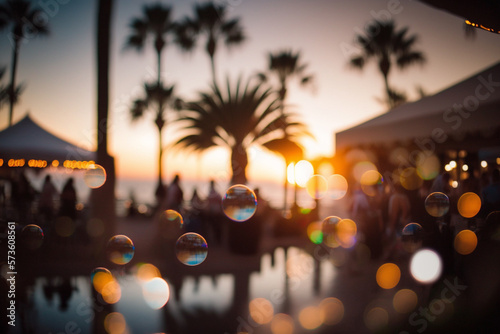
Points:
[(59, 71)]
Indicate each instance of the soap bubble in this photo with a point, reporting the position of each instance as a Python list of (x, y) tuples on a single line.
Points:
[(94, 176), (32, 236), (437, 204), (239, 203), (120, 249), (329, 229), (412, 237), (191, 249)]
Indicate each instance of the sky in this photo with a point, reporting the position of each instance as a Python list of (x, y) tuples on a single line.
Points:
[(59, 72)]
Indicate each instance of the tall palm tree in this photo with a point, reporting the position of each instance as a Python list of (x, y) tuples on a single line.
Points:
[(25, 23), (387, 46), (243, 116), (5, 90), (286, 65), (155, 23), (155, 100), (210, 21)]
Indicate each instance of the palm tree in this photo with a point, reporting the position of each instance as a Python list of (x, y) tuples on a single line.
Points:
[(5, 90), (243, 116), (161, 96), (286, 65), (155, 23), (387, 46), (210, 20), (25, 23)]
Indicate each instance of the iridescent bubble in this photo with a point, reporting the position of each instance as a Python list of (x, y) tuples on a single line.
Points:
[(412, 237), (239, 203), (120, 249), (469, 205), (174, 217), (428, 167), (329, 229), (337, 186), (316, 186), (94, 176), (369, 182), (346, 233), (437, 204), (191, 249), (32, 236)]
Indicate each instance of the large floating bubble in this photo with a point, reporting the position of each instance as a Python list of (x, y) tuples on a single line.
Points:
[(437, 204), (99, 277), (32, 236), (95, 176), (412, 237), (120, 249), (173, 217), (239, 203), (191, 249)]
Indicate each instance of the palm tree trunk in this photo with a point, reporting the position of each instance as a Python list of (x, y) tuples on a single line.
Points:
[(158, 59), (239, 162), (285, 188), (103, 198), (12, 88), (212, 65), (160, 189), (388, 92)]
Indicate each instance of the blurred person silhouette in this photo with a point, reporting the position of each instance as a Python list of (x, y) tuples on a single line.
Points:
[(46, 205), (68, 200), (22, 196), (175, 195), (490, 195), (194, 219), (214, 212)]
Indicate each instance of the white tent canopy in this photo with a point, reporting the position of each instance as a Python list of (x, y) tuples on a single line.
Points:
[(468, 107), (28, 140)]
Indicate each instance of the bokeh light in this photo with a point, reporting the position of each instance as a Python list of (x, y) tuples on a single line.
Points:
[(329, 229), (173, 217), (346, 233), (405, 301), (369, 182), (261, 310), (146, 272), (303, 172), (282, 324), (299, 265), (191, 249), (469, 205), (337, 186), (94, 227), (362, 167), (156, 293), (120, 249), (410, 179), (388, 275), (99, 277), (114, 323), (376, 319), (317, 186), (412, 237), (239, 203), (315, 233), (95, 176), (428, 167), (311, 317), (111, 292), (64, 226), (426, 266), (437, 204), (32, 236), (465, 242), (333, 310)]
